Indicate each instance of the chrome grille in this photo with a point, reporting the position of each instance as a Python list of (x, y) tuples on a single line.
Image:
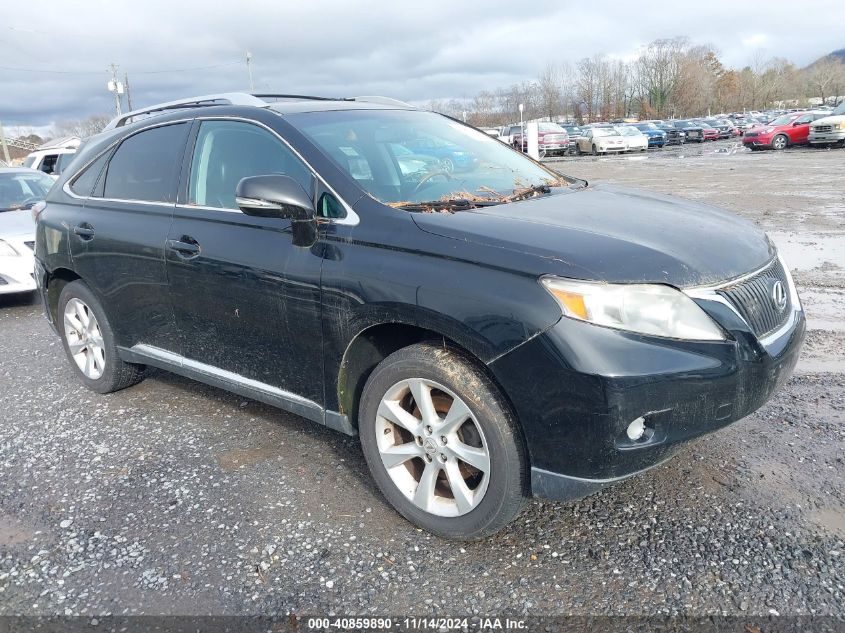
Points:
[(753, 299), (823, 128)]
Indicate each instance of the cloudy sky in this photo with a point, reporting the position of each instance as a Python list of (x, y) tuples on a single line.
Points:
[(54, 55)]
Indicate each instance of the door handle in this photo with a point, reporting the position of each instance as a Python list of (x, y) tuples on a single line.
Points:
[(85, 231), (186, 247)]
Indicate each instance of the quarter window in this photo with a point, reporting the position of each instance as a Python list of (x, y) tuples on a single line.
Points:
[(83, 185), (145, 165), (227, 151)]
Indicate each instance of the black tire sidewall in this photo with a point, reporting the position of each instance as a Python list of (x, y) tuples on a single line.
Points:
[(507, 486), (78, 289)]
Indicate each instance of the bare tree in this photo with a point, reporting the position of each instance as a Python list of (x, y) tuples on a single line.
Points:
[(825, 78), (658, 72), (549, 89), (83, 128)]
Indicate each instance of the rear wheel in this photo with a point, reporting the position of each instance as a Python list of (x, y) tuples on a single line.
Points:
[(780, 142), (595, 150), (441, 443), (89, 342)]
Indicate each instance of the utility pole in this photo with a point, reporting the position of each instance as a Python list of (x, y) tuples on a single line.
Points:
[(3, 143), (249, 70), (116, 87), (128, 94)]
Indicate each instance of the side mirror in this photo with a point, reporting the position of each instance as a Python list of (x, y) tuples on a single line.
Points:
[(274, 196)]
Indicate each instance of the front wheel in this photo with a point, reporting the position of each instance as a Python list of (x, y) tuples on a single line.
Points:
[(595, 150), (780, 142), (441, 443)]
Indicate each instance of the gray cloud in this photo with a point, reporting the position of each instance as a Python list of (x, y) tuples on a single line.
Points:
[(411, 51)]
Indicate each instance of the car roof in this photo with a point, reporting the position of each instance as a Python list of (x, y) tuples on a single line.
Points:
[(19, 170), (281, 103)]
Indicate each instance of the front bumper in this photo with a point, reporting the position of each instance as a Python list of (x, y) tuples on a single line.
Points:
[(834, 136), (17, 273), (757, 141), (578, 386)]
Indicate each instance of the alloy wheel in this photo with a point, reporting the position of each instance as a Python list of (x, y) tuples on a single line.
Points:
[(432, 447), (779, 142), (84, 339)]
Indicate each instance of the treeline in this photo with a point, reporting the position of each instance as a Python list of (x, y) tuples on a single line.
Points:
[(668, 78)]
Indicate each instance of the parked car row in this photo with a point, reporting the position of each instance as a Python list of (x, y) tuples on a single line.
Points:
[(796, 128)]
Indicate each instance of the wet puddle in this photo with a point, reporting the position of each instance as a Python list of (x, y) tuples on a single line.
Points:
[(811, 250)]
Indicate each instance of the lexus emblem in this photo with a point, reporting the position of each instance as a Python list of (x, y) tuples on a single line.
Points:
[(779, 296)]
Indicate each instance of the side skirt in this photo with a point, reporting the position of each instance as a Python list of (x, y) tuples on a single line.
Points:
[(156, 357)]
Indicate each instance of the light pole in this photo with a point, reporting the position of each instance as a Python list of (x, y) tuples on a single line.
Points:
[(521, 108), (116, 87), (249, 70)]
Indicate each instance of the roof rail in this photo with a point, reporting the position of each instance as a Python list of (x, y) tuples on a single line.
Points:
[(305, 97), (228, 98), (383, 101)]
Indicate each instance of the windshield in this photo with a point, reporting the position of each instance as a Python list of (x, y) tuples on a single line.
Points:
[(550, 127), (840, 109), (460, 162), (784, 120), (604, 131), (62, 161), (646, 126), (629, 131), (19, 190)]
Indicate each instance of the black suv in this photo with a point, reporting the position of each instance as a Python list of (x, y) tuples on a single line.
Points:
[(489, 334)]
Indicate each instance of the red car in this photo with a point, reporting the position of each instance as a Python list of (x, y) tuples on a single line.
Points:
[(710, 133), (786, 130), (553, 139)]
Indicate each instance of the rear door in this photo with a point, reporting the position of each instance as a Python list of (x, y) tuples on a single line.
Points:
[(247, 300), (117, 242)]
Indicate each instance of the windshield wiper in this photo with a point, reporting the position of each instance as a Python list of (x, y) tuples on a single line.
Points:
[(527, 192), (451, 205), (448, 205)]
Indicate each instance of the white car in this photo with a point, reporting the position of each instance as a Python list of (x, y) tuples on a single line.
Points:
[(50, 161), (830, 129), (635, 140), (599, 140), (19, 190)]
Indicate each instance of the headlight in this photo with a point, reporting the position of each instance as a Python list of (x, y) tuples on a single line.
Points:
[(645, 308), (6, 250)]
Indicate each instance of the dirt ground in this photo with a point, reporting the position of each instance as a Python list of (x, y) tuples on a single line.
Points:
[(176, 498)]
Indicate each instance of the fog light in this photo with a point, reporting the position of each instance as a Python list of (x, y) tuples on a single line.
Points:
[(636, 429)]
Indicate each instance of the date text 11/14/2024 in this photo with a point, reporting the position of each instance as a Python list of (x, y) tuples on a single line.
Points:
[(415, 624)]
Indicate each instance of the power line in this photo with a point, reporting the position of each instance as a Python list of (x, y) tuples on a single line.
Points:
[(134, 72)]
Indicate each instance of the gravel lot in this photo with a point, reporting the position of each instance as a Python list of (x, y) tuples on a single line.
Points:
[(176, 498)]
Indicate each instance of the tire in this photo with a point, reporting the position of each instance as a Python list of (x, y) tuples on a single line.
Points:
[(96, 362), (488, 435), (577, 149), (780, 142), (595, 150)]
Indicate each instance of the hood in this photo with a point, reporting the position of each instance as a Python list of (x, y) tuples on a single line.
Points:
[(615, 234), (829, 120), (16, 223)]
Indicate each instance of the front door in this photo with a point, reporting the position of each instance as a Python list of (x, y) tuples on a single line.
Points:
[(247, 301), (799, 133), (117, 242)]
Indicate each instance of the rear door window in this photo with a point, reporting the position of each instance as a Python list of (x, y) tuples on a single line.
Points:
[(145, 166)]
